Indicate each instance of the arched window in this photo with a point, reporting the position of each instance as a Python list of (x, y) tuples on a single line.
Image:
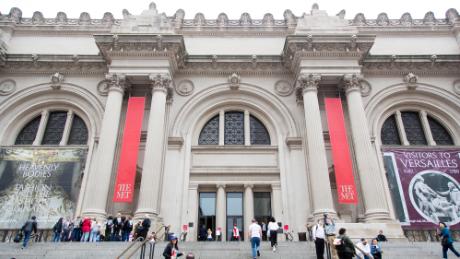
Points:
[(240, 128), (418, 128), (54, 127), (210, 133)]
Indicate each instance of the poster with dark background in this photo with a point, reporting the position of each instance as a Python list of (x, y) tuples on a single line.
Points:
[(44, 182), (424, 185)]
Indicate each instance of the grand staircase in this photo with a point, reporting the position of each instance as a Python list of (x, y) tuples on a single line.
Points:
[(205, 250)]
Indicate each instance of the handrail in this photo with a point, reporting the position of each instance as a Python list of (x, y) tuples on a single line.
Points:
[(139, 239)]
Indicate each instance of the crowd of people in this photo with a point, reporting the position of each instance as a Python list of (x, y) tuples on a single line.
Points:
[(122, 228)]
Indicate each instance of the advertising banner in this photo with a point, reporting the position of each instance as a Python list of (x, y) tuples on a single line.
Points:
[(126, 173), (39, 182), (346, 188), (424, 184)]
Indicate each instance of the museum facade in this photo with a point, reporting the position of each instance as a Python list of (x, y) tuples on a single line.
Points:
[(212, 122)]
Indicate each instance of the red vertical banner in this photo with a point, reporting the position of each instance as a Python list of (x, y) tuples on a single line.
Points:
[(126, 173), (346, 188)]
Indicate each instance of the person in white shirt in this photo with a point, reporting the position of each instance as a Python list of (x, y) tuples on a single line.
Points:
[(318, 236), (363, 249), (273, 233), (235, 233), (255, 234), (218, 235)]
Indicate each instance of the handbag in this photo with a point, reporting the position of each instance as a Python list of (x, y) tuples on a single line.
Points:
[(18, 237)]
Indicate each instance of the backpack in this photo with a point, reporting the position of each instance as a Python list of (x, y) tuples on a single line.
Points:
[(339, 245)]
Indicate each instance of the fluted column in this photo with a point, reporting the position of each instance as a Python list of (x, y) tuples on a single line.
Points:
[(221, 210), (99, 180), (248, 208), (376, 207), (316, 151), (148, 203)]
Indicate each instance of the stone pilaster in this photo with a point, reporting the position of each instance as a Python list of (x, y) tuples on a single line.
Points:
[(99, 180), (149, 194), (248, 207), (316, 151), (373, 193), (221, 210)]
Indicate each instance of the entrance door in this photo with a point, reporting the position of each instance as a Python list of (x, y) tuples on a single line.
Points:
[(262, 210), (234, 213), (206, 214)]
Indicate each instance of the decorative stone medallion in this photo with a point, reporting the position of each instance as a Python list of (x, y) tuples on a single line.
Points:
[(366, 88), (283, 88), (184, 88), (103, 88), (7, 87), (456, 86)]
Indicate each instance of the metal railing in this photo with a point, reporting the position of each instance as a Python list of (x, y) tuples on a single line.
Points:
[(141, 244)]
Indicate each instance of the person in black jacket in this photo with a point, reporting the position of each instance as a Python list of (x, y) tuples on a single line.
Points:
[(144, 229), (172, 249), (126, 229), (118, 223), (57, 230), (29, 226)]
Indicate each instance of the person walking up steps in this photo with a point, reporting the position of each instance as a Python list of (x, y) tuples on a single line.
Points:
[(273, 233), (255, 234), (446, 240), (29, 226)]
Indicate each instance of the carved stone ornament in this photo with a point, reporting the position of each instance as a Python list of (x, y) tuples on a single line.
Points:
[(283, 88), (309, 81), (149, 21), (56, 80), (103, 88), (116, 81), (234, 81), (411, 80), (366, 88), (160, 82), (184, 88), (456, 86), (7, 87), (352, 82)]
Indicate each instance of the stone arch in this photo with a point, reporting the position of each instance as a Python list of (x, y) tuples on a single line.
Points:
[(207, 103), (439, 103), (24, 105)]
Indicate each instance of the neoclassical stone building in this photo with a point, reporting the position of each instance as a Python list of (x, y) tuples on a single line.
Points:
[(235, 124)]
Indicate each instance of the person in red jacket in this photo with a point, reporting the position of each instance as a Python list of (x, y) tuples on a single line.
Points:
[(86, 229)]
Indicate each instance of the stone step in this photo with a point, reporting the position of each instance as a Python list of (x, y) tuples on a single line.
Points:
[(203, 250)]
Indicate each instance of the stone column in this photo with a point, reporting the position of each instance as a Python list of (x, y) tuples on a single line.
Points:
[(41, 128), (99, 179), (426, 128), (316, 151), (193, 204), (248, 208), (221, 211), (401, 130), (67, 128), (373, 193), (221, 128), (150, 190), (247, 129)]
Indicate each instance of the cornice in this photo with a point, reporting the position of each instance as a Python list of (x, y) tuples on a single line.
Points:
[(222, 25), (142, 45), (46, 64), (434, 65)]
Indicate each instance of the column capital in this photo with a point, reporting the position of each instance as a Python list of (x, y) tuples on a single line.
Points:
[(193, 186), (160, 82), (116, 82), (250, 186), (276, 186), (220, 185), (352, 82), (309, 82)]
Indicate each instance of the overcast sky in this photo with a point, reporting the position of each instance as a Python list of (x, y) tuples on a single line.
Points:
[(233, 8)]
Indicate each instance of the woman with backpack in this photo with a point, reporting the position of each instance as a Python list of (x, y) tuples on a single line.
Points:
[(344, 246), (57, 230)]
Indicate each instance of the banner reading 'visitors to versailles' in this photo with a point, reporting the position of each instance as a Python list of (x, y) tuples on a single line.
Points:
[(424, 184), (39, 181)]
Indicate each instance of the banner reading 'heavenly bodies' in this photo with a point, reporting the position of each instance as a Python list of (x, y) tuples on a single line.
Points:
[(346, 188), (126, 173)]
